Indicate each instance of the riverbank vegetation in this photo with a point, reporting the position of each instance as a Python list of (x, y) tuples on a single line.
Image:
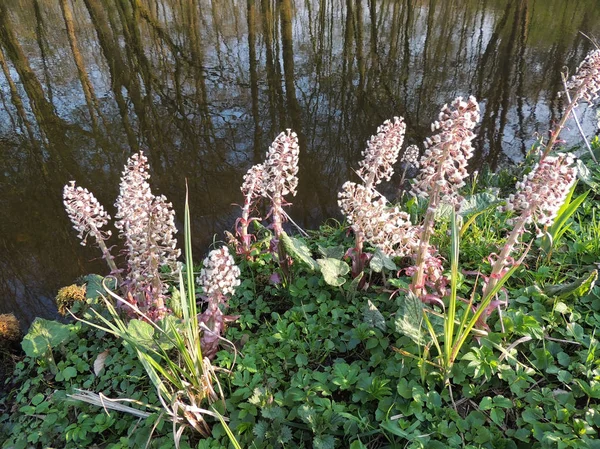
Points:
[(461, 314)]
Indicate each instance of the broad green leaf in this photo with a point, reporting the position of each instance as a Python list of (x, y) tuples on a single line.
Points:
[(44, 335), (298, 250), (333, 271), (578, 288), (141, 333), (477, 203), (94, 287), (332, 252), (373, 317), (379, 261), (410, 318), (357, 445)]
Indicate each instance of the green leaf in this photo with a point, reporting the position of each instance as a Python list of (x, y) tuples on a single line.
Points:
[(141, 333), (357, 445), (69, 373), (577, 288), (37, 399), (324, 442), (486, 403), (44, 335), (477, 203), (379, 261), (332, 252), (298, 250), (410, 318), (94, 287), (333, 271), (373, 317)]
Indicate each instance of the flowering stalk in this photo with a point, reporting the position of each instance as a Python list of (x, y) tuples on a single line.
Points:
[(538, 198), (443, 171), (366, 209), (219, 279), (585, 85), (280, 175), (252, 189), (147, 223), (88, 217)]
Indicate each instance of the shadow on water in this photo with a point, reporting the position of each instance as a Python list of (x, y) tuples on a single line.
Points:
[(204, 86)]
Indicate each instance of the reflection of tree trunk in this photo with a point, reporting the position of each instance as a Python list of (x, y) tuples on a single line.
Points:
[(254, 77), (119, 71), (50, 124), (88, 89), (197, 50), (273, 78), (16, 98), (359, 38), (499, 77), (40, 31)]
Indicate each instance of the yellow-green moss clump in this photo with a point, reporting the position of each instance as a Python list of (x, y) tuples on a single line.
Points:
[(67, 296), (9, 328)]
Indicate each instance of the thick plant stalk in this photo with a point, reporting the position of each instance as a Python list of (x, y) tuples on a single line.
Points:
[(443, 171), (252, 189)]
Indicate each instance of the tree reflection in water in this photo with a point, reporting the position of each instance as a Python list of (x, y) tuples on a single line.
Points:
[(205, 86)]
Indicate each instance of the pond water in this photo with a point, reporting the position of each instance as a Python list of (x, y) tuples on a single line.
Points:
[(203, 86)]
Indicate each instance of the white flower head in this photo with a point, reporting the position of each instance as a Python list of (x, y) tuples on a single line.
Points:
[(281, 167), (220, 274), (382, 152), (86, 213), (387, 228), (586, 81), (147, 223), (411, 156), (543, 191), (444, 162)]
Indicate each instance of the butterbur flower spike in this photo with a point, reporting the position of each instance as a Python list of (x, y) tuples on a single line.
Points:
[(88, 217), (219, 278), (387, 228), (411, 156), (444, 162), (147, 223), (252, 188), (86, 213), (281, 166), (382, 152), (220, 275), (280, 175), (543, 191), (586, 82)]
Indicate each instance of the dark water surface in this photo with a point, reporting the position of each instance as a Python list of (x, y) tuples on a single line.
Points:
[(204, 86)]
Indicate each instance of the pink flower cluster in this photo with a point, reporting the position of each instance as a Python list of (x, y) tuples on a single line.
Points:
[(219, 278), (387, 228), (444, 162), (253, 184), (586, 81), (85, 212), (220, 275), (382, 152), (542, 192), (147, 223), (281, 166)]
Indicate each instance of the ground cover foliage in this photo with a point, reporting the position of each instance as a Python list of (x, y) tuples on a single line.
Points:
[(462, 314), (324, 366)]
